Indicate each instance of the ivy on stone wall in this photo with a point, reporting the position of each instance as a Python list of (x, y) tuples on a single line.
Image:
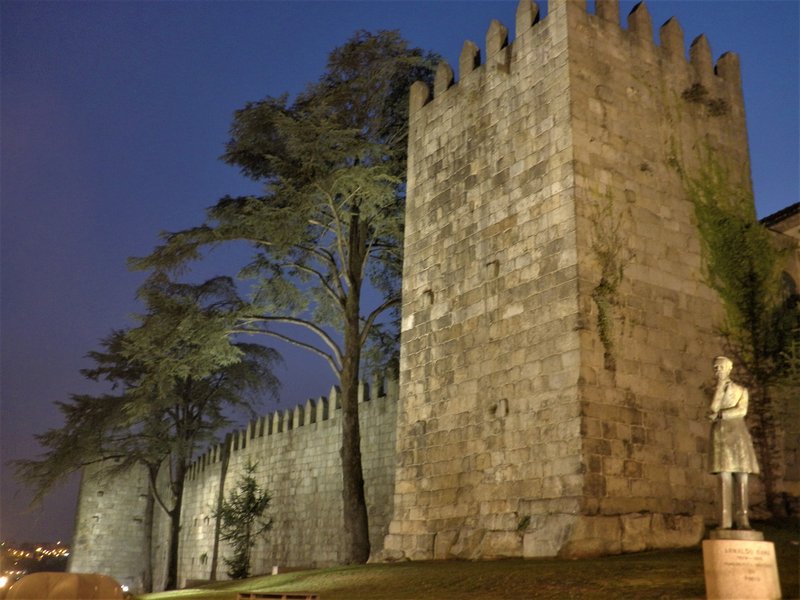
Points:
[(611, 253), (743, 265), (698, 94)]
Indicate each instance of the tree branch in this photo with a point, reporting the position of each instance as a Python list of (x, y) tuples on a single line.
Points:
[(339, 234), (330, 260), (374, 315), (339, 300), (152, 476), (331, 360)]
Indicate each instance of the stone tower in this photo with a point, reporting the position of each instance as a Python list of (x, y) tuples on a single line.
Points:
[(112, 526), (557, 329)]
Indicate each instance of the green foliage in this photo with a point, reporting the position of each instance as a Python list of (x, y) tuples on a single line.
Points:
[(167, 397), (184, 334), (789, 383), (173, 380), (611, 253), (698, 94), (717, 107), (329, 221), (762, 324), (744, 267), (242, 522), (331, 216), (523, 523)]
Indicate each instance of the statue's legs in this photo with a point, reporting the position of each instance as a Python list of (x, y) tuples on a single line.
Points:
[(726, 500), (742, 503)]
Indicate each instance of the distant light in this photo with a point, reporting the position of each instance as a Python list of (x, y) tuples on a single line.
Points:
[(3, 581), (125, 588)]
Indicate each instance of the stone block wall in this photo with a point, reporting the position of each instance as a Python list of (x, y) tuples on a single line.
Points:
[(297, 457), (112, 526), (644, 118), (785, 228), (489, 432), (791, 480), (557, 330)]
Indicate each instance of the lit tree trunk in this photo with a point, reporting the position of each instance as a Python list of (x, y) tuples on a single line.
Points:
[(356, 524), (225, 460), (147, 576), (175, 526)]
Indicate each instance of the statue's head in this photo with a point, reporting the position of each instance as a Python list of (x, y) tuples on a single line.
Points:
[(722, 366)]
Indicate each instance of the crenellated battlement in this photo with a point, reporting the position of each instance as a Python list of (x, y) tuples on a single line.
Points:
[(313, 411), (295, 453), (502, 56)]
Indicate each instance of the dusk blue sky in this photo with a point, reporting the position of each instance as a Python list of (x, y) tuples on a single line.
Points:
[(114, 115)]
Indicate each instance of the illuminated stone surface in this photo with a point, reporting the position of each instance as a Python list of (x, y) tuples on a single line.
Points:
[(740, 569)]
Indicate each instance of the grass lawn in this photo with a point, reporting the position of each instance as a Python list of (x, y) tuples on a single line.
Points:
[(659, 575)]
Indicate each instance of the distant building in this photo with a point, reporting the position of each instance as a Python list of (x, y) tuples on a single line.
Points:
[(785, 224)]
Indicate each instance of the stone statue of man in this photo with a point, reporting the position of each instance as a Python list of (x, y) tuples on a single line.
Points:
[(732, 453)]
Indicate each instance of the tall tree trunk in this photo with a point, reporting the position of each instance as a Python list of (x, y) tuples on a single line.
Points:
[(247, 548), (356, 524), (355, 506), (149, 520), (225, 459), (175, 526)]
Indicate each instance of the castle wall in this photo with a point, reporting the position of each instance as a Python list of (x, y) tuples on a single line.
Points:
[(638, 132), (297, 456), (791, 482), (557, 330), (111, 526), (785, 228), (489, 439)]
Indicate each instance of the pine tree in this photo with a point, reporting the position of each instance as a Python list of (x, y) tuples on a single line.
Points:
[(330, 222), (173, 379), (242, 522)]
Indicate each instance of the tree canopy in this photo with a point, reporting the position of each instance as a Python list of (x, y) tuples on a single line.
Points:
[(173, 381), (329, 221)]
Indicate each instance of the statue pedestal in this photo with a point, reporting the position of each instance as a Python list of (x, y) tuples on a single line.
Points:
[(739, 564), (743, 535)]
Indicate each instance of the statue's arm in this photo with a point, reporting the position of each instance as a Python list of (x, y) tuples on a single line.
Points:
[(739, 409), (716, 403)]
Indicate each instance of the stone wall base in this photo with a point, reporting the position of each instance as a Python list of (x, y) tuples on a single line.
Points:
[(563, 535), (633, 532)]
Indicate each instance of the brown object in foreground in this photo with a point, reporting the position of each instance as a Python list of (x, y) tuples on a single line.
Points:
[(65, 586)]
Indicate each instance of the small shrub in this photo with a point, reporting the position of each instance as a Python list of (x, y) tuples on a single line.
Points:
[(695, 93), (717, 107), (241, 521)]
